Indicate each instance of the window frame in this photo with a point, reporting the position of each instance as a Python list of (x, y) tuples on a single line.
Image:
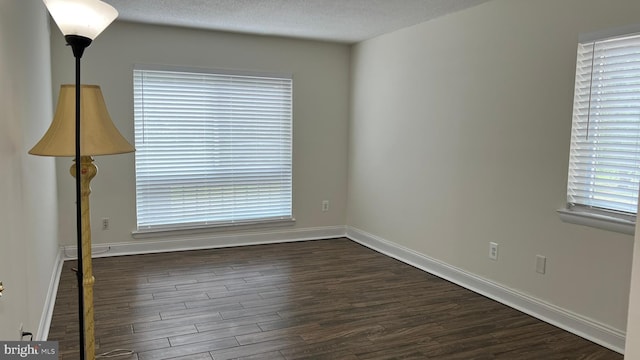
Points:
[(148, 231), (584, 215)]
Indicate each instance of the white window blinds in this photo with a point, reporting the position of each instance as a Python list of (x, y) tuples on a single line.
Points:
[(211, 149), (604, 169)]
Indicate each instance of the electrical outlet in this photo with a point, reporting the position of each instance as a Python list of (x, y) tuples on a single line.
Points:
[(541, 264), (493, 251), (105, 224), (325, 205)]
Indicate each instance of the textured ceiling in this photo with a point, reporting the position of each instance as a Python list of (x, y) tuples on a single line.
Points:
[(346, 21)]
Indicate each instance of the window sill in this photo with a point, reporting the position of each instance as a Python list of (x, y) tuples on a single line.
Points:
[(169, 232), (605, 222)]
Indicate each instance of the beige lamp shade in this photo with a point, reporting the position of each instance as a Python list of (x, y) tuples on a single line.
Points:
[(98, 134)]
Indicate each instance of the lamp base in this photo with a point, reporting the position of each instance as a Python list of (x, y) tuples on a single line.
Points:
[(88, 171)]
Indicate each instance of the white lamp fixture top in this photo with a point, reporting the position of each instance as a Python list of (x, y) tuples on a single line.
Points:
[(87, 18)]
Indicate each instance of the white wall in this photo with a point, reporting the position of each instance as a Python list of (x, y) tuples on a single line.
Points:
[(28, 220), (632, 348), (459, 136), (321, 80)]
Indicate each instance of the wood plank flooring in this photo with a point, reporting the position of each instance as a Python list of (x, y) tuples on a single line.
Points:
[(331, 299)]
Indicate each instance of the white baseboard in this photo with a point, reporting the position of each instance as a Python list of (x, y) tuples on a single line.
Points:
[(589, 329), (50, 301), (209, 241)]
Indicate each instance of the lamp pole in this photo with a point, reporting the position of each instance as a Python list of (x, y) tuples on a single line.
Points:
[(78, 45)]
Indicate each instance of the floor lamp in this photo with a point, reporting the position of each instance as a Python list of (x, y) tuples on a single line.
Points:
[(82, 128)]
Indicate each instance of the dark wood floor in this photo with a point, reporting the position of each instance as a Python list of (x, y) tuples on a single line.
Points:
[(330, 299)]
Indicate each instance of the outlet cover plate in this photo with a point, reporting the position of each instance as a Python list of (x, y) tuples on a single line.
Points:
[(541, 264), (493, 251)]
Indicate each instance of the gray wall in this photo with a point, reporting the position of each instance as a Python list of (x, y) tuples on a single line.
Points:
[(459, 136), (28, 219), (320, 111)]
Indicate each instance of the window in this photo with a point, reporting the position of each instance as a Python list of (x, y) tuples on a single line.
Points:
[(604, 166), (212, 148)]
